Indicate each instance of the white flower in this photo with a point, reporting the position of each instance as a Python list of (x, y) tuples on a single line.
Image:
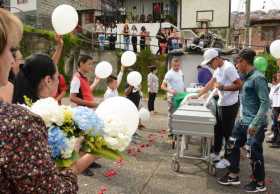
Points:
[(49, 110), (67, 153), (117, 136)]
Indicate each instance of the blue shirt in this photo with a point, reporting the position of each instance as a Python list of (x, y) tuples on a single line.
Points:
[(204, 76), (254, 100)]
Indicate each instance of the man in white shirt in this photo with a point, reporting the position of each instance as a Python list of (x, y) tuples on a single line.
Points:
[(113, 84), (228, 83), (274, 96), (173, 84)]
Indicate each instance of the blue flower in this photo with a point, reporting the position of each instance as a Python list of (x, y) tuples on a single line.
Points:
[(57, 141), (86, 120)]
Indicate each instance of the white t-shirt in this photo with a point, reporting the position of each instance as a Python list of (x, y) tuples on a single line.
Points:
[(274, 95), (175, 80), (75, 86), (113, 93), (226, 75)]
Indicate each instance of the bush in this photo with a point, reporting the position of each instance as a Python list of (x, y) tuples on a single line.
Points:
[(144, 60), (272, 66)]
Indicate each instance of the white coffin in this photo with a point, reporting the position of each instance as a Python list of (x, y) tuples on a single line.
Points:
[(193, 122)]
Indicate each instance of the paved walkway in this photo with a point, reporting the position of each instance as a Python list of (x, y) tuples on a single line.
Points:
[(149, 172)]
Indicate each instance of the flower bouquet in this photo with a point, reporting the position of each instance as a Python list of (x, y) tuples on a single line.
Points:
[(66, 125)]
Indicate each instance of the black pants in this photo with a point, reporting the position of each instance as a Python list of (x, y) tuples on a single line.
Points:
[(151, 101), (134, 43), (238, 140), (112, 42), (226, 116), (142, 44)]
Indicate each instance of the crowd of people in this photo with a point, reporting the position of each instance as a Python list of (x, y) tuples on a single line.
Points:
[(25, 160), (26, 165), (168, 38), (240, 89)]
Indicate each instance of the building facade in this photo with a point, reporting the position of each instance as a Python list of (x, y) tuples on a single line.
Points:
[(149, 10)]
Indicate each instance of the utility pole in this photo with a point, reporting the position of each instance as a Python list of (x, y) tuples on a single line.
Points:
[(247, 24)]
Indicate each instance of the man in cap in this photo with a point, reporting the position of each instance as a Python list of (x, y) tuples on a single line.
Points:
[(226, 80)]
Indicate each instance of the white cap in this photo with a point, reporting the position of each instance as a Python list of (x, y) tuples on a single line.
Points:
[(209, 55)]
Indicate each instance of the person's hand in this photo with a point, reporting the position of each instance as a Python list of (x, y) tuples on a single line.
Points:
[(220, 86), (252, 131), (97, 80), (194, 97), (172, 91), (59, 40)]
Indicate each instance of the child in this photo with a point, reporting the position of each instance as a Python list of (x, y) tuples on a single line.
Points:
[(81, 92), (113, 84), (153, 86)]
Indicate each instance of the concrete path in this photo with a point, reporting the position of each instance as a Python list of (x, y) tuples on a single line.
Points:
[(149, 171)]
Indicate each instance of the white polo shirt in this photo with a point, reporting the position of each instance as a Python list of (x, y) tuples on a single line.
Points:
[(226, 75)]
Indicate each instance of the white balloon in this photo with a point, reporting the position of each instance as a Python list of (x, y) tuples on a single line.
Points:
[(103, 69), (122, 109), (275, 49), (128, 58), (144, 114), (64, 19), (134, 78)]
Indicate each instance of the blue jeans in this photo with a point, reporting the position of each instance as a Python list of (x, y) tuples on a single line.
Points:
[(238, 140), (101, 40), (126, 43)]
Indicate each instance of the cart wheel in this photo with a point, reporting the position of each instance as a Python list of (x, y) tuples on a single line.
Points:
[(175, 165)]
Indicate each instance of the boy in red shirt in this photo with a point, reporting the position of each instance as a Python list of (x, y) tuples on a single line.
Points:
[(81, 92)]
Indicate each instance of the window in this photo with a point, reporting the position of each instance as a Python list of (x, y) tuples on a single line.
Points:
[(22, 1)]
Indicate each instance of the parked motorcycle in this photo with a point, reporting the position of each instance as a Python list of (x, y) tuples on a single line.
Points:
[(209, 40)]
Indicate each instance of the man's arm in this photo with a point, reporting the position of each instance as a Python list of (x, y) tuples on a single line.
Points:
[(262, 93), (74, 98), (59, 48), (235, 86), (94, 84), (209, 86), (165, 88)]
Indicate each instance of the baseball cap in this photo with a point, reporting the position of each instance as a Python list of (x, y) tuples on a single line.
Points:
[(209, 55)]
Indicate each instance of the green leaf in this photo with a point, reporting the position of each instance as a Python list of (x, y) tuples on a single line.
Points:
[(27, 101), (107, 153), (66, 163)]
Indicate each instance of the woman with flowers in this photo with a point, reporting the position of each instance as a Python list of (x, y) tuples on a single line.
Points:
[(26, 165)]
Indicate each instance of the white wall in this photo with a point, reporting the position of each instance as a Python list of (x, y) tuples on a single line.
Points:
[(31, 5)]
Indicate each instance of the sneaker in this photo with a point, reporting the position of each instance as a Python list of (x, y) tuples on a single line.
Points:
[(137, 136), (254, 187), (224, 163), (215, 158), (88, 172), (95, 165), (227, 180), (275, 145)]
